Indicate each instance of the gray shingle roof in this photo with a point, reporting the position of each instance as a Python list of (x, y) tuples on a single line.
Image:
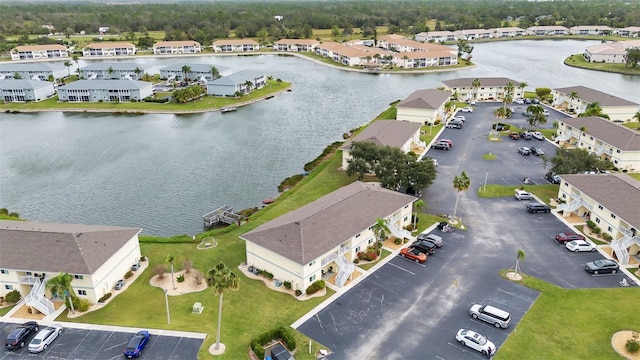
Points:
[(116, 65), (490, 81), (306, 233), (425, 99), (591, 95), (386, 133), (107, 84), (23, 84), (76, 249), (32, 67), (613, 134), (238, 78), (620, 193), (195, 67)]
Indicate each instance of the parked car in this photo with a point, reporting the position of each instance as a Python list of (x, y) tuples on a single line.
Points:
[(537, 135), (414, 254), (454, 124), (519, 101), (602, 266), (135, 267), (20, 335), (524, 150), (467, 109), (545, 112), (514, 135), (536, 150), (537, 207), (471, 102), (460, 118), (492, 315), (426, 247), (431, 238), (119, 285), (579, 245), (527, 101), (475, 341), (553, 178), (526, 135), (501, 127), (523, 195), (564, 237), (136, 344), (440, 146), (535, 101), (446, 141), (44, 338)]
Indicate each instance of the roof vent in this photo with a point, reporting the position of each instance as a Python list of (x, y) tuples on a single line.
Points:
[(297, 222)]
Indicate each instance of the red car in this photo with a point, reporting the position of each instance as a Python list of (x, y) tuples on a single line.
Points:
[(565, 237), (413, 254)]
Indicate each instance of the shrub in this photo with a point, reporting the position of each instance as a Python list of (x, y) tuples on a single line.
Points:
[(266, 274), (105, 297), (597, 230), (128, 274), (298, 292), (143, 258), (632, 346), (287, 284), (607, 237), (80, 305), (356, 261), (180, 278), (315, 287), (437, 122), (13, 297), (398, 241), (159, 270), (591, 224)]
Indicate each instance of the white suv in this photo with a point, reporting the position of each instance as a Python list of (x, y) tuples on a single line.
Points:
[(522, 195), (499, 318)]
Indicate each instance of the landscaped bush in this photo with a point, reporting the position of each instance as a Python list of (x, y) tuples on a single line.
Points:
[(632, 345), (591, 224), (398, 241), (13, 297), (298, 292), (315, 287), (287, 284), (128, 274), (266, 274), (105, 297), (80, 305), (180, 278), (607, 237), (143, 258), (597, 230)]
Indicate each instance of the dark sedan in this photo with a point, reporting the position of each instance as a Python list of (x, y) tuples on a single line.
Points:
[(602, 267), (21, 335), (136, 344), (440, 146)]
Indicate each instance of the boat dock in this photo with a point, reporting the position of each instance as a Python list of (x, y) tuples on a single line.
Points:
[(223, 215), (226, 109)]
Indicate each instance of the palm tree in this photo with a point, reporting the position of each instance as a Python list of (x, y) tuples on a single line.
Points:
[(519, 258), (593, 109), (522, 86), (448, 106), (417, 206), (17, 76), (186, 69), (68, 65), (460, 183), (572, 95), (170, 259), (508, 89), (221, 279), (637, 117), (476, 86), (248, 85), (137, 71), (75, 59), (214, 72), (61, 285), (508, 99), (380, 230), (110, 71), (500, 113)]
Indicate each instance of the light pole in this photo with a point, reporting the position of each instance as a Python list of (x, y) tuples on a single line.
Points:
[(486, 173), (166, 300)]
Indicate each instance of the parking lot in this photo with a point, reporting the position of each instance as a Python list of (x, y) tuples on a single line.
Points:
[(82, 344), (406, 310)]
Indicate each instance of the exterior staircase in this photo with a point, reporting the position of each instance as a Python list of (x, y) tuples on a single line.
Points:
[(345, 269), (37, 299), (397, 231), (571, 206), (621, 245)]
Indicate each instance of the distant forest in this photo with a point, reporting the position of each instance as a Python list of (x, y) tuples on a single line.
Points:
[(205, 22)]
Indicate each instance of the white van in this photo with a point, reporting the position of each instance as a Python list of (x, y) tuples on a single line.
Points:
[(499, 318), (522, 195)]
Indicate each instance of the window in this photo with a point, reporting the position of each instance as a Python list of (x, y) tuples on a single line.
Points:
[(615, 161), (358, 249), (8, 287), (600, 207), (79, 277), (312, 263), (82, 292), (312, 279), (609, 229), (564, 196), (3, 271), (405, 218), (29, 273), (589, 147), (613, 216), (357, 236), (598, 220), (370, 241), (618, 151)]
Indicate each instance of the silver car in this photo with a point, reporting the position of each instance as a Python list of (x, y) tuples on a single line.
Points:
[(44, 338), (499, 318), (437, 240)]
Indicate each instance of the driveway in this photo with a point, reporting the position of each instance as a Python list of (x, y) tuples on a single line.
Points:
[(407, 311), (82, 344)]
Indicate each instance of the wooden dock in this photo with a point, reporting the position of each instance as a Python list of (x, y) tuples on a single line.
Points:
[(223, 215)]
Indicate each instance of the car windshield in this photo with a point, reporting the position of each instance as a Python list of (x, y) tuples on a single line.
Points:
[(600, 263), (133, 343), (35, 341)]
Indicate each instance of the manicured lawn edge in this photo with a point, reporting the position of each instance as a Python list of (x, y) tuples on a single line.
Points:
[(543, 192)]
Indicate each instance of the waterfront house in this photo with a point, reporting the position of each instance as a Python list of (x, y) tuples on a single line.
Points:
[(617, 108), (508, 32), (474, 34), (591, 30), (96, 256), (111, 70), (437, 36), (177, 47), (631, 31), (109, 49), (105, 90), (33, 52), (611, 202), (322, 239), (242, 82), (614, 53), (550, 30), (197, 72), (34, 71), (608, 140), (490, 88), (403, 135), (235, 45), (25, 90), (424, 106), (422, 59), (296, 45)]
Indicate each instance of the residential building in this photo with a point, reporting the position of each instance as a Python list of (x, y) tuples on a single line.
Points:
[(611, 202), (475, 34), (34, 71), (421, 59), (242, 82), (95, 255), (235, 45), (296, 45), (551, 30), (437, 36), (591, 30), (576, 98), (606, 139), (400, 44), (33, 52), (631, 31), (109, 49), (424, 106), (177, 47), (105, 90), (508, 32), (324, 237), (25, 90), (614, 53), (489, 88), (201, 72), (403, 135), (112, 70)]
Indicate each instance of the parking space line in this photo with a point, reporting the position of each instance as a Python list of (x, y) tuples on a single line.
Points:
[(401, 268), (515, 295), (464, 349), (415, 263), (507, 305)]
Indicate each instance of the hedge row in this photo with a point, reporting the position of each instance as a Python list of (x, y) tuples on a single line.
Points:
[(315, 287)]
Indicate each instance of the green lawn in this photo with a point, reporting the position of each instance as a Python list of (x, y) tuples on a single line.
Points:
[(207, 103), (489, 156), (430, 132), (578, 61), (572, 323), (544, 192), (633, 125), (634, 175), (5, 310)]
